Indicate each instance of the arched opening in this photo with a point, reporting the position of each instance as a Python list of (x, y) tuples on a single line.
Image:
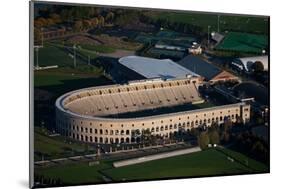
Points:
[(117, 140), (127, 132), (127, 140)]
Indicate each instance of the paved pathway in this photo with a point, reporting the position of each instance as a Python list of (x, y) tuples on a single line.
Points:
[(155, 157)]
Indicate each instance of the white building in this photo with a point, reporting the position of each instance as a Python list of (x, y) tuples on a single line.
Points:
[(245, 64)]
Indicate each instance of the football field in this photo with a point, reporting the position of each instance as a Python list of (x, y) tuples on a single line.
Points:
[(204, 163)]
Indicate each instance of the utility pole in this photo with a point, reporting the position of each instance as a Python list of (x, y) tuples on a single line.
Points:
[(74, 55), (218, 23)]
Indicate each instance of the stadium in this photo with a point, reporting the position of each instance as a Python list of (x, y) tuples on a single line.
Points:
[(115, 114)]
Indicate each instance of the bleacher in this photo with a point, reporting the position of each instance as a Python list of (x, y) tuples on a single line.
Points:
[(124, 98)]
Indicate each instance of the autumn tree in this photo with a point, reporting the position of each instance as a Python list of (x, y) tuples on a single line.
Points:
[(101, 21), (94, 22), (214, 137), (78, 25), (55, 17), (109, 17), (87, 24), (203, 140)]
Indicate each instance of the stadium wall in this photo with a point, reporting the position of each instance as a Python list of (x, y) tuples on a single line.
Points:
[(98, 129)]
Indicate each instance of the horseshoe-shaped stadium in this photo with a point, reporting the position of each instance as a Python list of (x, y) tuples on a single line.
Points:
[(113, 114)]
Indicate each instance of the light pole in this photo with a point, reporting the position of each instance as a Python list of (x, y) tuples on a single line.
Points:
[(42, 37), (74, 55), (218, 23), (209, 35), (37, 60)]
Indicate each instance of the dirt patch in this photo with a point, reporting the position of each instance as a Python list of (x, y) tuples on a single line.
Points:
[(118, 42), (83, 39), (118, 53)]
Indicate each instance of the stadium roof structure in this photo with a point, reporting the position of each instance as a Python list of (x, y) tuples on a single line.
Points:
[(200, 67), (155, 68)]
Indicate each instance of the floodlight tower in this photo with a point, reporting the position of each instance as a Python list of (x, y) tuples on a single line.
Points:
[(42, 37), (218, 23), (37, 54), (74, 55), (209, 35)]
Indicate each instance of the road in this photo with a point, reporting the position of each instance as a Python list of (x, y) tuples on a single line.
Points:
[(118, 155)]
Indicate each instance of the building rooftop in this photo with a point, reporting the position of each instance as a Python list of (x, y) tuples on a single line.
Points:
[(155, 68), (199, 66)]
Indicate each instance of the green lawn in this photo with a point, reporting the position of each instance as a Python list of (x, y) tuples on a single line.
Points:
[(51, 55), (227, 22), (75, 174), (97, 48), (253, 164), (55, 147), (204, 163), (60, 83)]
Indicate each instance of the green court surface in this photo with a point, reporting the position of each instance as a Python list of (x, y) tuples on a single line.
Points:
[(243, 42)]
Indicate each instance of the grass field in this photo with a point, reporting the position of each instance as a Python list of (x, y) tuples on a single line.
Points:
[(243, 42), (51, 55), (60, 83), (205, 163), (227, 22), (55, 147), (210, 162)]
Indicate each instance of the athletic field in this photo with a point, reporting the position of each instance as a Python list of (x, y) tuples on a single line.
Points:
[(242, 23), (204, 163), (243, 42)]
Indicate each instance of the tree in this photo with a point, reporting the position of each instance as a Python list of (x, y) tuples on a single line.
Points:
[(55, 17), (86, 24), (225, 137), (203, 140), (257, 67), (94, 22), (101, 21), (78, 25), (146, 135), (109, 17), (214, 137), (227, 124)]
